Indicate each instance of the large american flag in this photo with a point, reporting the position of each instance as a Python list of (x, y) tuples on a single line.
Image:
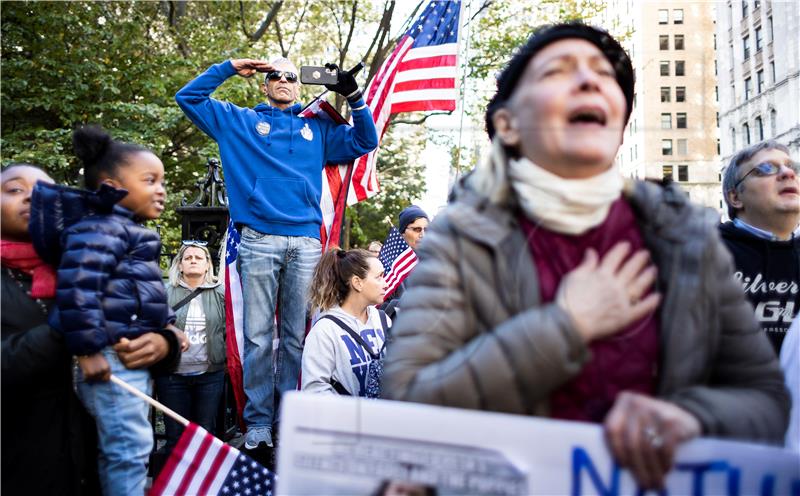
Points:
[(419, 75), (398, 260), (202, 464), (234, 316)]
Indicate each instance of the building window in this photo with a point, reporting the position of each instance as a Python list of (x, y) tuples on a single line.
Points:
[(677, 16), (664, 65), (759, 39), (715, 40), (744, 8), (666, 147), (733, 139), (716, 93), (666, 121), (746, 45), (733, 93), (772, 70), (680, 93), (760, 81), (678, 42), (773, 122), (716, 68), (746, 132), (665, 94), (717, 120), (683, 173), (718, 152), (756, 4), (748, 88), (680, 120), (663, 42), (683, 147), (769, 25), (680, 67), (666, 172), (759, 128), (663, 16)]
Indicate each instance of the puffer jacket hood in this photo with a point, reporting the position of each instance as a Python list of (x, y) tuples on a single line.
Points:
[(55, 207)]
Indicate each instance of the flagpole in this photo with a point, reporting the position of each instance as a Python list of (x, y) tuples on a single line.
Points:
[(160, 406), (463, 85)]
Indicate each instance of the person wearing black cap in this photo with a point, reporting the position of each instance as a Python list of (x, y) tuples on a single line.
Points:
[(413, 222), (550, 286)]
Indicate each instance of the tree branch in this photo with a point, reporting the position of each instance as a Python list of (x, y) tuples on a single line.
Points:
[(273, 11), (284, 53), (343, 50), (297, 26), (173, 15)]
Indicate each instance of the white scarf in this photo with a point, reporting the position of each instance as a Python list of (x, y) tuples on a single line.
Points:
[(567, 206)]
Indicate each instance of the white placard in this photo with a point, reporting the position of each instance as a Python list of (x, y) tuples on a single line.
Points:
[(338, 445)]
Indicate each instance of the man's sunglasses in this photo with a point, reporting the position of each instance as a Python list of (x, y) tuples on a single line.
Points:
[(194, 242), (765, 169), (276, 76)]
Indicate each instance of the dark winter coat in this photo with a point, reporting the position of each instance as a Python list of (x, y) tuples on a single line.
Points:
[(109, 283), (769, 272), (474, 334), (48, 438)]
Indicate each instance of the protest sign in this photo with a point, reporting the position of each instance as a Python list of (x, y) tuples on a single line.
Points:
[(338, 445)]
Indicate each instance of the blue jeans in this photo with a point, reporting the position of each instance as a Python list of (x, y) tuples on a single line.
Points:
[(125, 437), (195, 397), (274, 270)]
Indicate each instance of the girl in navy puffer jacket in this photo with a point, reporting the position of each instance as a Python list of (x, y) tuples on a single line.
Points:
[(109, 289)]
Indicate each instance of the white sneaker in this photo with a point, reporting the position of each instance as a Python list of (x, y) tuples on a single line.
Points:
[(256, 436)]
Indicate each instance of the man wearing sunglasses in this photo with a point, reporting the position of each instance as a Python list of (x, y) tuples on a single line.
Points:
[(762, 190), (273, 161)]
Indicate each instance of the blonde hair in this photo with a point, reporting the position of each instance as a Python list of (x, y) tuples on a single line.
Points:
[(330, 284), (174, 272)]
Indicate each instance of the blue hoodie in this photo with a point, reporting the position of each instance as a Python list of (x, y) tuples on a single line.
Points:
[(272, 158)]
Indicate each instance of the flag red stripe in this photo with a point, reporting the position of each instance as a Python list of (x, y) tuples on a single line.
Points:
[(399, 275), (340, 204), (234, 360), (172, 462), (398, 266), (422, 84), (194, 465), (427, 62), (214, 469), (423, 105)]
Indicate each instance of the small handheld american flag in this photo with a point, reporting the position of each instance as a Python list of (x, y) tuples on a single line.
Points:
[(202, 464), (398, 260)]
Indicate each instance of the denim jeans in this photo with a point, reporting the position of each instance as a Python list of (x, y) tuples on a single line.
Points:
[(125, 437), (196, 397), (274, 270)]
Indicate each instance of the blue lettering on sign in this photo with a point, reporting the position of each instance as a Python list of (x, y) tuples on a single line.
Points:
[(357, 353), (581, 461), (700, 469)]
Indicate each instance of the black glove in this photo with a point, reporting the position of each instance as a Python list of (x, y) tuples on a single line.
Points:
[(346, 85)]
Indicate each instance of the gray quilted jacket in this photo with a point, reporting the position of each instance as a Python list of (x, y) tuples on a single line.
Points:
[(473, 333)]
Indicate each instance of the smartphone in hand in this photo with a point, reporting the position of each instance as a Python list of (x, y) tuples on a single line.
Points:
[(310, 74)]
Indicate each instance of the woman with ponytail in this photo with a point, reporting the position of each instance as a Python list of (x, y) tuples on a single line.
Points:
[(351, 331)]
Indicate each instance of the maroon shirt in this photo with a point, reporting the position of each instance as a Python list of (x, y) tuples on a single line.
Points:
[(626, 361)]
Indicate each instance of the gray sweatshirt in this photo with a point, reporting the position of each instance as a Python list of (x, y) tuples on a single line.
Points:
[(330, 352)]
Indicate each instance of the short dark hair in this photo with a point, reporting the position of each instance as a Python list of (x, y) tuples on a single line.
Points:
[(730, 175), (101, 155), (544, 35)]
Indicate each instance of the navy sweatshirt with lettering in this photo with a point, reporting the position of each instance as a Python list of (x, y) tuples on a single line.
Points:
[(770, 275)]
